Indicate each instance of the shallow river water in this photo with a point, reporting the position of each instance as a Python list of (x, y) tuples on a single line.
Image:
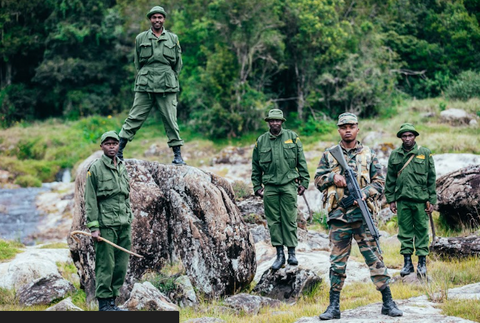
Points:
[(18, 213)]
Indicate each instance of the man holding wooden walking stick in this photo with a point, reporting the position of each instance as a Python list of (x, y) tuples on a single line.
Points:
[(410, 190), (109, 216)]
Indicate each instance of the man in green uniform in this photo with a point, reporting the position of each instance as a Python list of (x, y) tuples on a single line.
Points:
[(346, 221), (410, 184), (279, 173), (107, 206), (158, 61)]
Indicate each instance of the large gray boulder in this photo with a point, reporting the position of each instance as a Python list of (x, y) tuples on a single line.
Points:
[(458, 195), (182, 215)]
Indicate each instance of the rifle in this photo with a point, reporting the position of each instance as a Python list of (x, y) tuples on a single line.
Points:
[(355, 194)]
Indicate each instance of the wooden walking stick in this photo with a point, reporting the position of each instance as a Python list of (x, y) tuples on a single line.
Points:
[(73, 233), (310, 214), (431, 222)]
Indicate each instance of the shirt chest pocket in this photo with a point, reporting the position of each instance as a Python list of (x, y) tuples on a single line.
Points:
[(419, 166), (396, 164), (169, 51), (106, 186), (266, 156), (290, 151), (146, 50)]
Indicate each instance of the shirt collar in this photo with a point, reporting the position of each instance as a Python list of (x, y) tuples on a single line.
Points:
[(358, 147), (109, 161), (413, 150), (272, 136), (152, 35)]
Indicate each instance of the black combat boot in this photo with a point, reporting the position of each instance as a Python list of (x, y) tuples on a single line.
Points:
[(115, 307), (333, 310), (121, 146), (177, 156), (104, 304), (422, 267), (292, 260), (408, 266), (280, 261), (389, 307)]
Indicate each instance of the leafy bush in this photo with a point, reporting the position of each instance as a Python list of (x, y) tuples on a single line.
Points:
[(92, 128), (465, 87), (30, 149), (17, 103), (28, 181), (316, 127), (241, 189)]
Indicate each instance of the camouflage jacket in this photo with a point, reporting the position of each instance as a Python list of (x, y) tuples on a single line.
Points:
[(370, 176)]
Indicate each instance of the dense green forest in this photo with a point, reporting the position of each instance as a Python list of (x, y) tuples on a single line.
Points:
[(311, 58)]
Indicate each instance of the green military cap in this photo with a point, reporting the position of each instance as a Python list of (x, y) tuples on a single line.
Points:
[(157, 9), (347, 118), (109, 134), (407, 127), (275, 114)]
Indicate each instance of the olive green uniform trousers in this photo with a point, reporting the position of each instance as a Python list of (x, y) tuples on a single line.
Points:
[(142, 105), (111, 263), (412, 227), (280, 205)]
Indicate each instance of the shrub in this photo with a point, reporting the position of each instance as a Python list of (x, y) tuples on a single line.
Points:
[(241, 189), (30, 149), (465, 87), (28, 181)]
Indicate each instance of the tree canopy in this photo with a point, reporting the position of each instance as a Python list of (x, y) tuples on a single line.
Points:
[(311, 58)]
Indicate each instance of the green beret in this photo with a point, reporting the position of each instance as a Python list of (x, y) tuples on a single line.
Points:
[(156, 9), (407, 127), (347, 118), (109, 134), (275, 114)]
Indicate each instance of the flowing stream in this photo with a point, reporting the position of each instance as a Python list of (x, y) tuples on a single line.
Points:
[(19, 215)]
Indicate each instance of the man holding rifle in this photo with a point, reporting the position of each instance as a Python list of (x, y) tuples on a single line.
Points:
[(410, 190), (347, 216)]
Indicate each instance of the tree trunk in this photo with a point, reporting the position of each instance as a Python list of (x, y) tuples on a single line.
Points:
[(300, 93)]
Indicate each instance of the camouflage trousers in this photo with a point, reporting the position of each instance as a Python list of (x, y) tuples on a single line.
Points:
[(341, 235)]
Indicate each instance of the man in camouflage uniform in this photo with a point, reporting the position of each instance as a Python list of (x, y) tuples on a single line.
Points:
[(158, 61), (410, 183), (347, 224), (279, 173), (107, 206)]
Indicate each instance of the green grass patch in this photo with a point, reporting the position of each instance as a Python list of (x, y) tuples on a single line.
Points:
[(468, 309), (9, 249)]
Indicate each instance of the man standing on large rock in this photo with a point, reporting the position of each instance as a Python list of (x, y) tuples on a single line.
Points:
[(158, 61), (409, 186), (279, 173), (109, 216)]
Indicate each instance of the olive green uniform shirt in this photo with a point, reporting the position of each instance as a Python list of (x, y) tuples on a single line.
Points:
[(107, 194), (417, 182), (278, 160), (158, 61)]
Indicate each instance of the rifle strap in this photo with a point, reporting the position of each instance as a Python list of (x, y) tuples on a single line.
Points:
[(408, 162)]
